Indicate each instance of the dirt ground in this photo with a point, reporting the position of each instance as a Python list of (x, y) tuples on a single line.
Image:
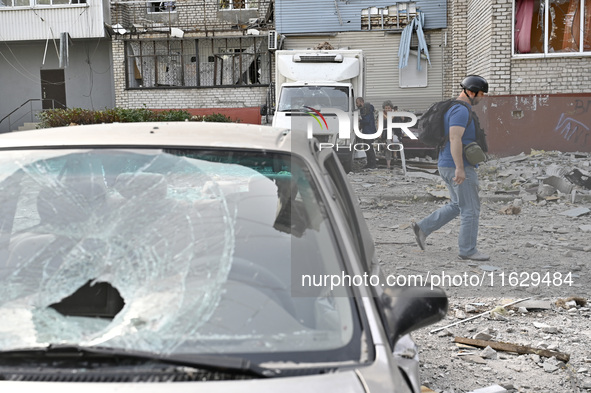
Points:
[(540, 250)]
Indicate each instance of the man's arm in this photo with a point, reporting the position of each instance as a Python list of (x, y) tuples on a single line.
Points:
[(455, 144)]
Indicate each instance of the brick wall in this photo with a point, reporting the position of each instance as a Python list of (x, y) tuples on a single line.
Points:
[(238, 97), (479, 37), (500, 55), (118, 50), (457, 50), (482, 43), (551, 75)]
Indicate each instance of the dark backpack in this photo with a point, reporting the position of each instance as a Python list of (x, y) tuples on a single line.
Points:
[(432, 126)]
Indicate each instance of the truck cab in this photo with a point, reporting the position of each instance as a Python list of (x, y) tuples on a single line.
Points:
[(310, 85)]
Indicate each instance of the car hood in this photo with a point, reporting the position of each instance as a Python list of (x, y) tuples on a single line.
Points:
[(339, 382)]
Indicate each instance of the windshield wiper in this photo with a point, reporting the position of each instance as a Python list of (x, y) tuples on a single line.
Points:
[(199, 361)]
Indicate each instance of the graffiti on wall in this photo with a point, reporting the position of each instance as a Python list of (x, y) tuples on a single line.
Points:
[(572, 130), (582, 106)]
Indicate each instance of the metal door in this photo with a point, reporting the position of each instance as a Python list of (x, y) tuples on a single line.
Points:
[(53, 89)]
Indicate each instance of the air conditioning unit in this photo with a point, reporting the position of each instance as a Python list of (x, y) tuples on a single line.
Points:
[(272, 39)]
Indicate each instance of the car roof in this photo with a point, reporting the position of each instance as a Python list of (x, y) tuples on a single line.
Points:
[(178, 134)]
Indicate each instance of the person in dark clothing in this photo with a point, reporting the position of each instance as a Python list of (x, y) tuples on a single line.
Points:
[(367, 125), (387, 106)]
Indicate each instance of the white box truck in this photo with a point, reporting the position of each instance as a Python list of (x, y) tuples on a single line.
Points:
[(319, 79)]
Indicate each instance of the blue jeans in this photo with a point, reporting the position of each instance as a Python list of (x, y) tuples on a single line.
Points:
[(465, 202)]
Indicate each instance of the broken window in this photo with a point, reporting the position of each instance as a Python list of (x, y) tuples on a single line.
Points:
[(238, 4), (395, 16), (161, 6), (161, 63), (552, 26), (198, 63)]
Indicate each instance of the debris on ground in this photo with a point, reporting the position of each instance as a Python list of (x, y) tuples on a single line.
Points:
[(510, 209), (571, 302), (541, 253), (509, 347)]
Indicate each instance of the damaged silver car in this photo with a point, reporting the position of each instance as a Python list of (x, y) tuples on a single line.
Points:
[(193, 257)]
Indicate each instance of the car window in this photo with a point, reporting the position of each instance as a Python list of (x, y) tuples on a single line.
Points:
[(170, 251)]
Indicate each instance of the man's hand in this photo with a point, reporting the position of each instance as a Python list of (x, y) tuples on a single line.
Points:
[(460, 176)]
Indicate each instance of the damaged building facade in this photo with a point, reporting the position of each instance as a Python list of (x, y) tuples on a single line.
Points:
[(216, 56), (536, 54), (204, 56), (377, 28)]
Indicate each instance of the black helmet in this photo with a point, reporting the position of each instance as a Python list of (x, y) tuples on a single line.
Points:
[(475, 83)]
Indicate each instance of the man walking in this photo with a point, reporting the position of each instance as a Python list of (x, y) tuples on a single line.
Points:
[(367, 124), (460, 177)]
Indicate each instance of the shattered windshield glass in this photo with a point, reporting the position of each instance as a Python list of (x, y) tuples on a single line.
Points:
[(166, 251)]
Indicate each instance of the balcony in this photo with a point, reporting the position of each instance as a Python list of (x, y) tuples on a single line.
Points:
[(199, 16), (24, 20)]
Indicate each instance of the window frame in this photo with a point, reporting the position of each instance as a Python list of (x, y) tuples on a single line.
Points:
[(546, 33), (155, 7), (395, 16), (250, 48)]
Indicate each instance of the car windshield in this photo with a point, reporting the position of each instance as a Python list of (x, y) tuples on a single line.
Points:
[(317, 97), (169, 251)]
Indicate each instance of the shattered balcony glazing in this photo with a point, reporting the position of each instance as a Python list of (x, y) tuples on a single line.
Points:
[(201, 16)]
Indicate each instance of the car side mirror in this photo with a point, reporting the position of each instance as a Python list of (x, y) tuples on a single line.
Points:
[(410, 308)]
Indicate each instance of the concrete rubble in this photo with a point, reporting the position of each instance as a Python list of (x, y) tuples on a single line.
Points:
[(542, 173), (490, 389), (535, 223)]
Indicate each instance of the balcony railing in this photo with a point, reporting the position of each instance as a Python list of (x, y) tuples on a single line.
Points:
[(198, 16), (27, 112)]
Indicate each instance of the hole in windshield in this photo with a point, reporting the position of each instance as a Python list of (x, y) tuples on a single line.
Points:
[(100, 300)]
